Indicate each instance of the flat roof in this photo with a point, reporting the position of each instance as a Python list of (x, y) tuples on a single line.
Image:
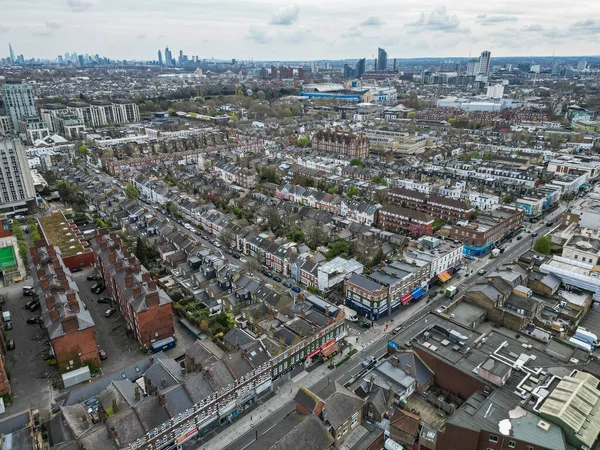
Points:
[(59, 232)]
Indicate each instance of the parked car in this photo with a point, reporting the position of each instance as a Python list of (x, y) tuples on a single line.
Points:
[(29, 303), (296, 289), (268, 274), (95, 286), (287, 284), (76, 269), (441, 309), (217, 244), (534, 234), (276, 278), (10, 345), (34, 307), (236, 256), (243, 260), (103, 355), (8, 325), (549, 224), (34, 320), (397, 329), (99, 290), (92, 278), (482, 271), (364, 323), (433, 294), (104, 300), (110, 312), (369, 362), (519, 237), (197, 233)]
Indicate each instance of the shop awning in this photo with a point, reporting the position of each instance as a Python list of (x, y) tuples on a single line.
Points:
[(406, 298), (444, 276), (418, 292), (330, 349)]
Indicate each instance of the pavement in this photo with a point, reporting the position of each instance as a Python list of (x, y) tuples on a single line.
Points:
[(249, 427)]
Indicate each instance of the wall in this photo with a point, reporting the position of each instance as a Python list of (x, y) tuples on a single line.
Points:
[(157, 319), (450, 378), (82, 260), (68, 347)]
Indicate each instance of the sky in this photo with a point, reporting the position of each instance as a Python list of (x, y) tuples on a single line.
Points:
[(306, 30)]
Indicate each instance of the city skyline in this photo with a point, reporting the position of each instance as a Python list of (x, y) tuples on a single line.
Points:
[(310, 31)]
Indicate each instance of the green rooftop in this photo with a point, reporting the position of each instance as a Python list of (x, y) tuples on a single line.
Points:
[(57, 232)]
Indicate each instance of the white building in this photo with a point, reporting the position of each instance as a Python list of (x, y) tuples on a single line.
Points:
[(482, 201), (335, 272), (18, 101), (16, 183), (496, 91)]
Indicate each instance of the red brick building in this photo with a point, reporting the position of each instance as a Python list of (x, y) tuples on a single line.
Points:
[(440, 207), (341, 143), (64, 234), (397, 219), (146, 308), (70, 326)]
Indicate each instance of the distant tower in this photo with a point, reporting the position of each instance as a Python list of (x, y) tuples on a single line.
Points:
[(484, 62), (12, 53), (160, 62), (381, 59)]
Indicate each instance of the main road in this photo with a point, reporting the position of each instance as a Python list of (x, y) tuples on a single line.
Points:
[(353, 369)]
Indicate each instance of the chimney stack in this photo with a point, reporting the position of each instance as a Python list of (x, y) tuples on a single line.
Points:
[(146, 276), (394, 361), (136, 290), (128, 279), (111, 256), (118, 265)]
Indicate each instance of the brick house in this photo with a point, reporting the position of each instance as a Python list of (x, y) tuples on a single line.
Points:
[(341, 143), (366, 296), (404, 427), (70, 326), (437, 206), (398, 219), (146, 308)]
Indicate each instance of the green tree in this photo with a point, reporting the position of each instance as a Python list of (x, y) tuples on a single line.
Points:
[(303, 141), (171, 111), (75, 161), (352, 191), (411, 115), (269, 173), (239, 91), (488, 156), (356, 162), (132, 192), (379, 180), (338, 248), (83, 150), (332, 191), (543, 245)]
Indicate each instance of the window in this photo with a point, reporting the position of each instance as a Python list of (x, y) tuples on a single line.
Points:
[(345, 430), (511, 444), (339, 435), (530, 447), (493, 438), (354, 420)]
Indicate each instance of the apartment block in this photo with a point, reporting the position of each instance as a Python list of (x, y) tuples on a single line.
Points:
[(341, 143), (402, 220), (146, 308), (434, 205)]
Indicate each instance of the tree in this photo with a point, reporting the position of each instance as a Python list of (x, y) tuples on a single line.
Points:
[(132, 192), (556, 140), (411, 115), (416, 230), (140, 250), (379, 180), (303, 141), (338, 248), (171, 111), (352, 191), (379, 256), (227, 238), (269, 173), (356, 162), (332, 191), (543, 245), (83, 150), (488, 156), (239, 90), (273, 218), (252, 264), (75, 161)]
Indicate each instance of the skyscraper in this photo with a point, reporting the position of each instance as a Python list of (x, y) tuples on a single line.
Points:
[(359, 69), (381, 59), (16, 184), (160, 63), (12, 54), (168, 57), (484, 62), (18, 101)]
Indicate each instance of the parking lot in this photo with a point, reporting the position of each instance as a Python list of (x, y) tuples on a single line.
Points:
[(111, 334), (30, 376)]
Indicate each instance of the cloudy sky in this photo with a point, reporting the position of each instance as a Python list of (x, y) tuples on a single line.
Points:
[(309, 29)]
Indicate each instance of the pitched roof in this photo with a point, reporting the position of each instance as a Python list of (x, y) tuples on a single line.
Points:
[(307, 399), (405, 421)]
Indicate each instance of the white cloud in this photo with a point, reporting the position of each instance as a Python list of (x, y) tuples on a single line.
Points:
[(259, 35), (53, 25), (586, 26), (438, 20), (352, 33), (80, 5), (484, 19), (371, 21), (286, 16)]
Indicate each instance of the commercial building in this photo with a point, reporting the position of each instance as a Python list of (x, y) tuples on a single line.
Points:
[(484, 62), (568, 163), (17, 191), (481, 235), (367, 297), (59, 232), (70, 326), (434, 205), (334, 272), (18, 101), (146, 308), (397, 219), (341, 143)]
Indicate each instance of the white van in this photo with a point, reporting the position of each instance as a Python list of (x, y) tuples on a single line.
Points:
[(390, 444)]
